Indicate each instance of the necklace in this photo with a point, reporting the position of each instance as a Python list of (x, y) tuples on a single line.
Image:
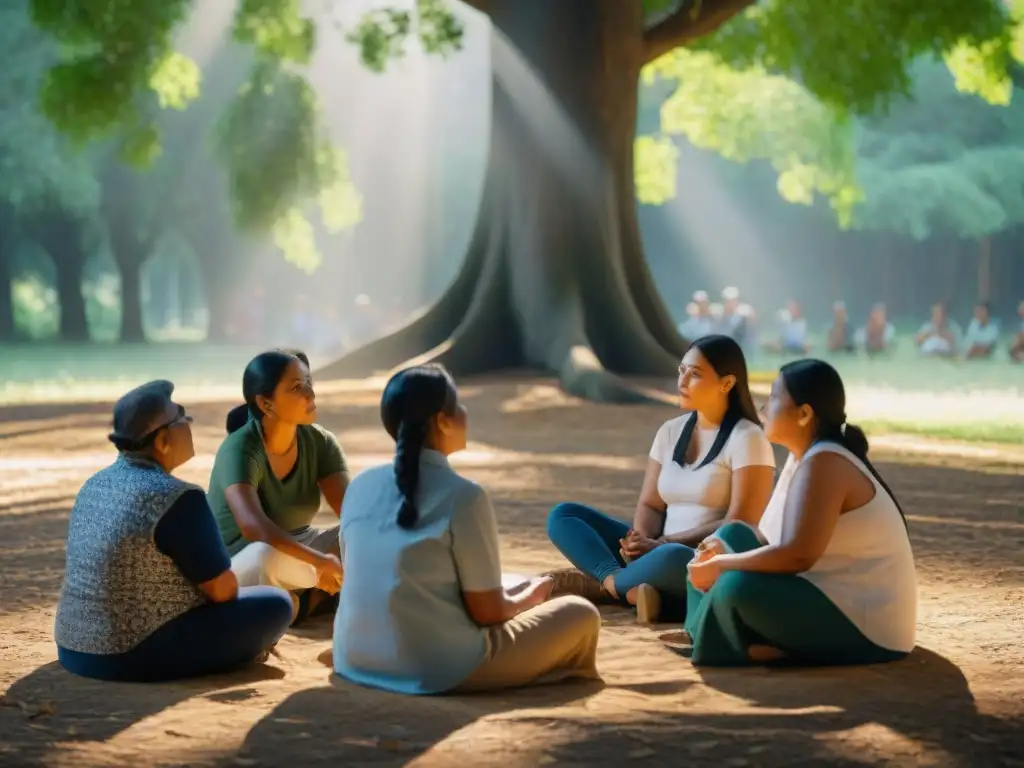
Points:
[(286, 451)]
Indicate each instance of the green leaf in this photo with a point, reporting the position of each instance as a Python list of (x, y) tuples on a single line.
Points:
[(747, 115), (277, 29), (175, 81), (655, 160)]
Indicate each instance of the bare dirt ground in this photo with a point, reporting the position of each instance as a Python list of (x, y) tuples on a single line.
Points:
[(958, 700)]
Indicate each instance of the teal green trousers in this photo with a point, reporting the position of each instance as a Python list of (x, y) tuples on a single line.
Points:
[(783, 611)]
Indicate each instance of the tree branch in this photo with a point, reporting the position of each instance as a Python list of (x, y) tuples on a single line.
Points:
[(695, 19), (484, 6)]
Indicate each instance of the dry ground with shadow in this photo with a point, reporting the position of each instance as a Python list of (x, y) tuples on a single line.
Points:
[(957, 701)]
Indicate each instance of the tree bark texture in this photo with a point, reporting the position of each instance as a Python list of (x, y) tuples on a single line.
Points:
[(6, 272), (61, 235), (555, 277)]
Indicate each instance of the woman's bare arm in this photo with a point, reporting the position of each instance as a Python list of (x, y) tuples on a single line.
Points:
[(333, 488), (649, 519), (254, 524), (815, 502)]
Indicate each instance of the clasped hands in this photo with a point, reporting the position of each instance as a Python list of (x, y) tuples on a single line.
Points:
[(705, 569), (635, 544)]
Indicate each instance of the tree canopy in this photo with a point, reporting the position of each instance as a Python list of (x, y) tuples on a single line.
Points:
[(784, 82), (942, 162), (35, 161), (776, 80)]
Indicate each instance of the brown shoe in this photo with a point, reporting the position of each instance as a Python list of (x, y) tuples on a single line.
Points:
[(573, 581), (648, 604)]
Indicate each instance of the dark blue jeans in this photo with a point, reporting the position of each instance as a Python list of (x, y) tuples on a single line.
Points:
[(212, 638), (590, 541)]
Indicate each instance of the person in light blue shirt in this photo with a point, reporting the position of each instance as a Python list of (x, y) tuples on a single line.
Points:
[(700, 320), (982, 333), (423, 609)]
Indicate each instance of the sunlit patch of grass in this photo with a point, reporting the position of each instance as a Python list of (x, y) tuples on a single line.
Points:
[(968, 432)]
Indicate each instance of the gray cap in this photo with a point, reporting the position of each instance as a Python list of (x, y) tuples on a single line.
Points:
[(139, 412)]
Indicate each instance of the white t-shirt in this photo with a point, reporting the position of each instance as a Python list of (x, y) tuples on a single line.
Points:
[(693, 496), (867, 569)]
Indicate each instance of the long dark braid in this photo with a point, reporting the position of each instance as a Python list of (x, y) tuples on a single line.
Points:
[(408, 448), (411, 399)]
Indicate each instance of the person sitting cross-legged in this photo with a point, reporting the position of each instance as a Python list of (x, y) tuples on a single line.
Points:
[(706, 466), (423, 609), (828, 575), (148, 591)]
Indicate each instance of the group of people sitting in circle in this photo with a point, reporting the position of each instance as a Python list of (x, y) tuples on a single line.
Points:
[(166, 581)]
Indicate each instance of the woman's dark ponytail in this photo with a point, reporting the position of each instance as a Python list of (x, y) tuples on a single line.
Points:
[(818, 384), (408, 448), (237, 418), (411, 399)]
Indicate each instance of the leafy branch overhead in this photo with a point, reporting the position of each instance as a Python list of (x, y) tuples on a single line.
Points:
[(779, 80), (783, 82), (118, 62)]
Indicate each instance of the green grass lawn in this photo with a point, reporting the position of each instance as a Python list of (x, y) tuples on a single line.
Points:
[(901, 393)]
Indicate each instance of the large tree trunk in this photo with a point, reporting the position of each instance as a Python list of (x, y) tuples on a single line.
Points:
[(131, 241), (132, 328), (6, 273), (60, 234), (555, 278)]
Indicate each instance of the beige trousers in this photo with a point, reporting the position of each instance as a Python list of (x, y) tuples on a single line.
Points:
[(547, 644), (259, 564)]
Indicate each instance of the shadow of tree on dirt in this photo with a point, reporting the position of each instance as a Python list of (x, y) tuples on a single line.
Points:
[(345, 724), (35, 712)]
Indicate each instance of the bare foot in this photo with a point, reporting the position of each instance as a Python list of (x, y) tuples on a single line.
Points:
[(765, 654), (609, 586)]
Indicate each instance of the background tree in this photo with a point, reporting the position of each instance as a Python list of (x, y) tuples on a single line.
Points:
[(555, 276), (46, 191), (942, 164)]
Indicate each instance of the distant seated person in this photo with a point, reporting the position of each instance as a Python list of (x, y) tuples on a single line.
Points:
[(840, 334), (792, 332), (268, 479), (736, 320), (424, 609), (700, 320), (940, 336), (878, 333), (148, 591), (827, 576), (1017, 345), (982, 334)]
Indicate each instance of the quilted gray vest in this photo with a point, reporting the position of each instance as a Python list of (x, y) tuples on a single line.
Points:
[(118, 587)]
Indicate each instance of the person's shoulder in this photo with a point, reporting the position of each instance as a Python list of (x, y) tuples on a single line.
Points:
[(746, 435), (318, 433), (243, 440), (371, 477), (749, 430), (675, 425)]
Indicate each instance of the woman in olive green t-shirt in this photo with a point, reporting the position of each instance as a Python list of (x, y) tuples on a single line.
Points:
[(268, 477)]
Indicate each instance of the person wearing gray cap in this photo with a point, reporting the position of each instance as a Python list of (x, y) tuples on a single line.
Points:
[(148, 590)]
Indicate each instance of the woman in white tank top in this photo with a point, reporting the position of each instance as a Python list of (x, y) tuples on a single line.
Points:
[(828, 576)]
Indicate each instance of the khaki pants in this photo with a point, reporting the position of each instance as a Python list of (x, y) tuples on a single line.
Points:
[(547, 644), (259, 564)]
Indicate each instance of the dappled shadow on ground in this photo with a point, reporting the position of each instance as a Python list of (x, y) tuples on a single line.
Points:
[(49, 704), (532, 448)]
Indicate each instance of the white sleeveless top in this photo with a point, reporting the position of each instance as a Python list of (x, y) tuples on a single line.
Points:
[(692, 496), (867, 569)]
